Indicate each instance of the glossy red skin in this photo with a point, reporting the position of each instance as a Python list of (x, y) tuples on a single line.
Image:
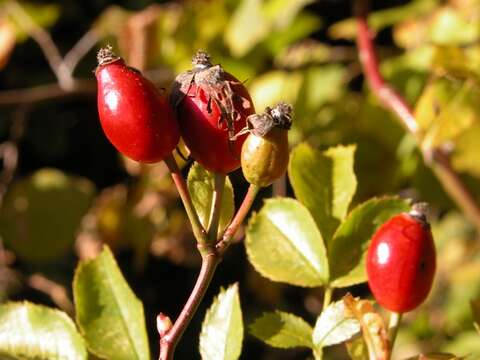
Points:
[(205, 136), (401, 263), (135, 116)]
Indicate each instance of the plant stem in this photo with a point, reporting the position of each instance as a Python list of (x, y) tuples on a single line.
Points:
[(242, 212), (198, 230), (437, 159), (394, 324), (216, 211), (211, 255), (210, 260), (327, 296)]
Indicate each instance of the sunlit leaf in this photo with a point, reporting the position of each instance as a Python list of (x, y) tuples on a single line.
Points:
[(109, 315), (21, 14), (34, 332), (275, 86), (325, 183), (334, 326), (42, 212), (347, 250), (283, 244), (446, 109), (201, 187), (246, 28), (347, 29), (222, 329), (450, 27), (282, 330)]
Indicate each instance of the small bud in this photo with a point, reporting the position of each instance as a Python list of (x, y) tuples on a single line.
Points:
[(164, 324)]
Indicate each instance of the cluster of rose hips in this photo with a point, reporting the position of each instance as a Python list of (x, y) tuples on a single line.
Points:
[(215, 116), (208, 107)]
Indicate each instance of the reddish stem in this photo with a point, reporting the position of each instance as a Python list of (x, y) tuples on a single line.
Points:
[(242, 212), (437, 159), (198, 230), (171, 339)]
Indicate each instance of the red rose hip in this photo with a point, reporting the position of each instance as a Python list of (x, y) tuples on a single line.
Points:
[(135, 116), (401, 262), (212, 106)]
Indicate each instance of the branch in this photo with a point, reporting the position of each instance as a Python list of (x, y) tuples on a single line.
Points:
[(198, 230), (79, 50), (44, 40), (169, 341), (437, 159), (45, 93), (242, 212)]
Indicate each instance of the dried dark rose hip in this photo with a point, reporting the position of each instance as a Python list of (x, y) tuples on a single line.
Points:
[(212, 107), (401, 261), (136, 118), (265, 152)]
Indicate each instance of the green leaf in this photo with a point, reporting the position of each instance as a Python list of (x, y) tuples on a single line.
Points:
[(350, 242), (282, 13), (43, 15), (357, 349), (324, 182), (201, 186), (447, 109), (284, 244), (109, 314), (247, 27), (222, 329), (282, 330), (42, 213), (334, 326), (347, 29), (34, 332), (275, 86), (451, 27)]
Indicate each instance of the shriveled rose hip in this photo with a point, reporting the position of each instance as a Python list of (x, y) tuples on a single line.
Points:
[(135, 116)]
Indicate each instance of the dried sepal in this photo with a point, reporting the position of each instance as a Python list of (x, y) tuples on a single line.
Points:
[(373, 327), (280, 116)]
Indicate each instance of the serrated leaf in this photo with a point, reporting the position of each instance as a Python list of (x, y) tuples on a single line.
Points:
[(324, 182), (109, 315), (42, 213), (349, 244), (284, 244), (282, 330), (334, 326), (222, 329), (34, 332), (374, 330), (201, 186)]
